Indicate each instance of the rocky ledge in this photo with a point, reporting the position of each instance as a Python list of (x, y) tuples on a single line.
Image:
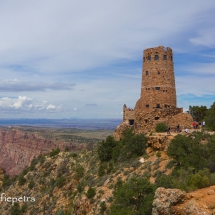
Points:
[(177, 202)]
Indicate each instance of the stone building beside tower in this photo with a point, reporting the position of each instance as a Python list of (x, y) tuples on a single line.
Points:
[(157, 102)]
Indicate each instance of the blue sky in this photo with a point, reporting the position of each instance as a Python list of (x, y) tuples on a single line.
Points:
[(70, 58)]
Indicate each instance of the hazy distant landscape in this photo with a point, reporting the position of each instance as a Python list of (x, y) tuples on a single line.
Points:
[(89, 124)]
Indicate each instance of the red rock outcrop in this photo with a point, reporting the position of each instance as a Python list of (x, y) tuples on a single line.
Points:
[(175, 201), (17, 149)]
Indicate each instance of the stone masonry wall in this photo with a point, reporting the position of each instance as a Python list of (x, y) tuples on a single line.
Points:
[(158, 81), (157, 102)]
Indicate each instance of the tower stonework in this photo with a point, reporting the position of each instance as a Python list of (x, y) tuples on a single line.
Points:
[(158, 80), (157, 101)]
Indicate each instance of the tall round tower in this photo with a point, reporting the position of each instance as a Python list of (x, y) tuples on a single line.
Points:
[(158, 80)]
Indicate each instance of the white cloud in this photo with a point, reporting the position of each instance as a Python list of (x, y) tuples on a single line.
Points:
[(23, 103), (51, 107)]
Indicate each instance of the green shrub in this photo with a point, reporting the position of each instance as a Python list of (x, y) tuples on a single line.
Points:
[(15, 209), (210, 118), (170, 164), (21, 180), (103, 207), (41, 159), (105, 148), (212, 178), (31, 184), (164, 181), (54, 152), (24, 208), (25, 171), (133, 197), (74, 155), (158, 154), (80, 187), (52, 182), (59, 212), (161, 127), (60, 181), (133, 145), (157, 174), (66, 149), (79, 172), (110, 167), (6, 180), (91, 193), (199, 180), (33, 164), (101, 170), (190, 152)]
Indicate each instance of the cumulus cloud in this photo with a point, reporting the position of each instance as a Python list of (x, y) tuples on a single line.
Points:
[(23, 103), (14, 85), (51, 107)]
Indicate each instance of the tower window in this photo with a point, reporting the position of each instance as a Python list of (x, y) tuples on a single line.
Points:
[(147, 72), (147, 105), (159, 73), (157, 88), (157, 105), (156, 57), (131, 122), (149, 58), (164, 57), (156, 118)]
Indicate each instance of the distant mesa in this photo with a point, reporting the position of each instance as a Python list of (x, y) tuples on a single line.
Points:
[(157, 102)]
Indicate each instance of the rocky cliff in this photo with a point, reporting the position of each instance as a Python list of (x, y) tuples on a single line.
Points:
[(17, 149), (175, 201), (60, 183)]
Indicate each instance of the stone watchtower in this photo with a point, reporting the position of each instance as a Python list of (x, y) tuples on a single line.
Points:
[(157, 102), (158, 80)]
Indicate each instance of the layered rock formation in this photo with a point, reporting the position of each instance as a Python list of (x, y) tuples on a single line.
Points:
[(17, 149)]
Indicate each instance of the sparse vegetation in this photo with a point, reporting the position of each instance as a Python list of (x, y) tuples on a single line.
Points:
[(21, 180), (91, 192), (130, 146), (114, 167), (54, 152), (133, 197), (161, 127), (79, 172)]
